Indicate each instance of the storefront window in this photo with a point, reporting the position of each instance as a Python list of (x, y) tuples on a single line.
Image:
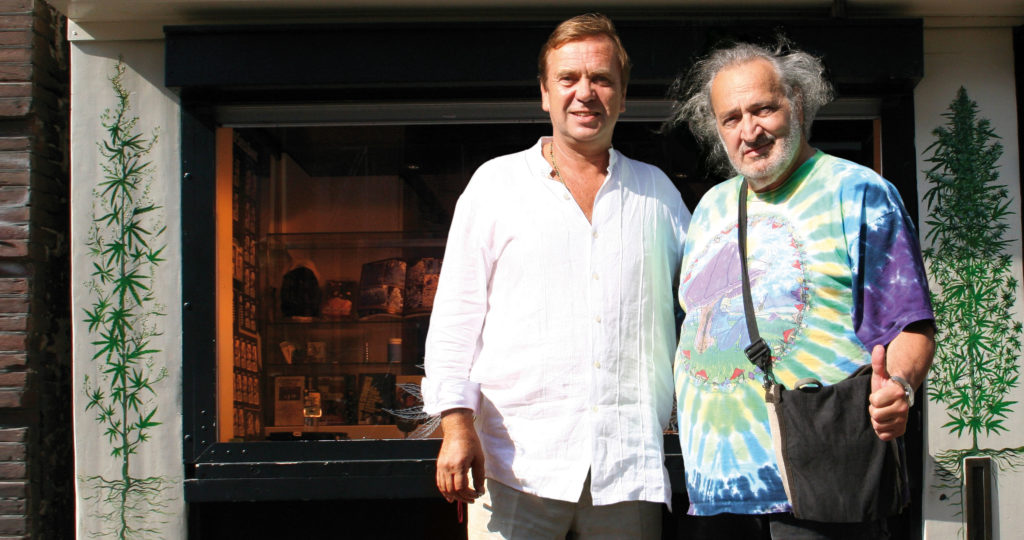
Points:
[(328, 265), (336, 240)]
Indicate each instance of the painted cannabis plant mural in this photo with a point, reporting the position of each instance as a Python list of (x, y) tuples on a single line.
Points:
[(977, 357), (124, 245)]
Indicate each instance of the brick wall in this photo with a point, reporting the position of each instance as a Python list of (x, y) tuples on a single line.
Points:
[(36, 472)]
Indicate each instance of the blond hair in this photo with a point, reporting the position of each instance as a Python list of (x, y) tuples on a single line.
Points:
[(580, 27)]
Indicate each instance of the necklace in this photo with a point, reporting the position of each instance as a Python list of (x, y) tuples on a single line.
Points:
[(558, 174)]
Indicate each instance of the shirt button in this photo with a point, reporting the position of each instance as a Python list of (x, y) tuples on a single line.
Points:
[(595, 276), (597, 319), (565, 196), (597, 364), (595, 234), (594, 408)]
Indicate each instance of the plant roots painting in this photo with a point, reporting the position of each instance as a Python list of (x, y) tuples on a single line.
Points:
[(976, 360), (125, 248)]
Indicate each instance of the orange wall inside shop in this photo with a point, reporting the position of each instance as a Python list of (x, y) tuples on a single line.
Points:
[(225, 322)]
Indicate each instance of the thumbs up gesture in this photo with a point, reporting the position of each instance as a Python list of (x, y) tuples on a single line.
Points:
[(887, 407)]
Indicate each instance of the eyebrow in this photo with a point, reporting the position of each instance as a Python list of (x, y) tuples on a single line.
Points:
[(606, 73), (751, 106), (727, 113)]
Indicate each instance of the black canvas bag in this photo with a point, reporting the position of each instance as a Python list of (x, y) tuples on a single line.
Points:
[(834, 467)]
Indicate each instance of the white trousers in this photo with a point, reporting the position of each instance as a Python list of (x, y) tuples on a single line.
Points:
[(509, 514)]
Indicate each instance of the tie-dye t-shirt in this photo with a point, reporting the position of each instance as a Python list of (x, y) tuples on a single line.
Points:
[(835, 268)]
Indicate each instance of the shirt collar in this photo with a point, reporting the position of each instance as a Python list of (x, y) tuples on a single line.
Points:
[(539, 165), (796, 178)]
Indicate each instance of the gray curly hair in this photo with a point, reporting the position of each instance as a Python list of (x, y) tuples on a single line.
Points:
[(802, 76)]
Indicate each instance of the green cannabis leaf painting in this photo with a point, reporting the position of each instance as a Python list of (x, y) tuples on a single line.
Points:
[(124, 249), (979, 343)]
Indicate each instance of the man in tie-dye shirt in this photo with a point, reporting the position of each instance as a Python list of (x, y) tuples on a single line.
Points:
[(836, 279)]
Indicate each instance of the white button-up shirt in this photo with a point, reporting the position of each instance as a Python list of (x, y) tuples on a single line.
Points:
[(557, 332)]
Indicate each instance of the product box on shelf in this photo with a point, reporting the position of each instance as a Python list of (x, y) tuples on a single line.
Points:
[(288, 391)]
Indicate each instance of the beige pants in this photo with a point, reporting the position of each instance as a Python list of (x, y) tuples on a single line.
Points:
[(507, 513)]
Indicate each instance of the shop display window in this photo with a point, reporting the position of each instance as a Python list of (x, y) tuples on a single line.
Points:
[(329, 259), (335, 242)]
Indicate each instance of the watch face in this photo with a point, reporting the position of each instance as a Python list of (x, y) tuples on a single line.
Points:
[(908, 391)]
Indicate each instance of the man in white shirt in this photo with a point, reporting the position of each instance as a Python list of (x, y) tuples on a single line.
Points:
[(554, 323)]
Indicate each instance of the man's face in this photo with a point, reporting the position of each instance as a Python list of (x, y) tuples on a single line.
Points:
[(582, 92), (759, 127)]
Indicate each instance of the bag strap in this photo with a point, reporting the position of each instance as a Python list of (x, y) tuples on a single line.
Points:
[(758, 352)]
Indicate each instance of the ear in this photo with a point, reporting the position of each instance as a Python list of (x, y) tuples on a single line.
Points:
[(622, 105), (798, 102), (545, 100)]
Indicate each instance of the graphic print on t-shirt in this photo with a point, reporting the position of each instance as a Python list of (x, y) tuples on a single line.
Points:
[(712, 291)]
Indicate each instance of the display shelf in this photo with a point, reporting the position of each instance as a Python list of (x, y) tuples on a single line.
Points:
[(352, 431), (343, 323), (345, 317), (385, 431), (280, 369), (356, 240)]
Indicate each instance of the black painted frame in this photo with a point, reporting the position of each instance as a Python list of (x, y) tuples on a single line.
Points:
[(220, 65)]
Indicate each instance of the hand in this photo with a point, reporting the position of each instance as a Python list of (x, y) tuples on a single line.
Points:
[(461, 453), (887, 407)]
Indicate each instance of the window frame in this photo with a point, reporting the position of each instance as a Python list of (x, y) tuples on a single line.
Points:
[(881, 60)]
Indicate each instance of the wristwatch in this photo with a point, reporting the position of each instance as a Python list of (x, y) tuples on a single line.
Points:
[(908, 391)]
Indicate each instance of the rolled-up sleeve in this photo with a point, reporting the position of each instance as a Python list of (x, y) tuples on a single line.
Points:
[(460, 306)]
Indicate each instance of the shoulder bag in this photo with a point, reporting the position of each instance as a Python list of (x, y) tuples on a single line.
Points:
[(834, 467)]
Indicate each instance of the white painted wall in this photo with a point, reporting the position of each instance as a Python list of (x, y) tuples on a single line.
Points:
[(981, 60), (92, 64)]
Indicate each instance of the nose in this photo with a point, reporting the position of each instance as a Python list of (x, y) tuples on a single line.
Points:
[(750, 128), (585, 89)]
